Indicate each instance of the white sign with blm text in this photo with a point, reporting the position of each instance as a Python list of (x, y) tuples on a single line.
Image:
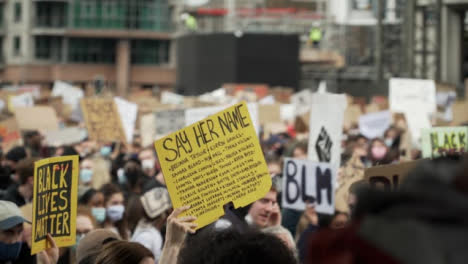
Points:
[(308, 181)]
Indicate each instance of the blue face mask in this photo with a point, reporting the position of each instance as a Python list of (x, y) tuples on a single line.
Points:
[(78, 238), (99, 213), (9, 252), (106, 151), (86, 175)]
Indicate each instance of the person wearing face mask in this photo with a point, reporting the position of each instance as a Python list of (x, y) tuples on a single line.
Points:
[(115, 210), (378, 152), (106, 151), (94, 199), (86, 172), (11, 234), (156, 206)]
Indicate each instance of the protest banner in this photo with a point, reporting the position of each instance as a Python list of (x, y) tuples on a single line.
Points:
[(41, 118), (460, 115), (441, 141), (287, 112), (326, 128), (22, 100), (302, 101), (193, 115), (55, 202), (128, 116), (10, 135), (305, 180), (148, 129), (169, 121), (404, 93), (172, 98), (269, 113), (374, 125), (70, 95), (213, 162), (102, 120), (389, 177), (65, 136)]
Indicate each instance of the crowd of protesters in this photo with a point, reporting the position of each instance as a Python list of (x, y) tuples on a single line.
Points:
[(125, 213)]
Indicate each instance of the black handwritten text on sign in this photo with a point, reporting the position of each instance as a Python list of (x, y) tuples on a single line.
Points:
[(53, 210), (305, 180)]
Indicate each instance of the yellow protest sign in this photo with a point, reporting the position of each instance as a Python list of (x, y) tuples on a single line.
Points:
[(55, 202), (213, 162)]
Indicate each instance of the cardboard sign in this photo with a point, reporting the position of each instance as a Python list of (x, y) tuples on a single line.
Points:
[(10, 135), (102, 120), (269, 113), (65, 136), (148, 130), (41, 118), (326, 128), (22, 100), (172, 98), (55, 202), (440, 141), (305, 180), (70, 95), (351, 115), (375, 124), (213, 162), (404, 93), (193, 115), (169, 121), (128, 115), (302, 101), (388, 177)]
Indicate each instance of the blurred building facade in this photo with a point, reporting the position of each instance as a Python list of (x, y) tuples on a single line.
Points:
[(125, 43)]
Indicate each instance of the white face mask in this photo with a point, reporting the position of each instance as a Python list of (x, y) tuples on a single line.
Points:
[(115, 212), (147, 164)]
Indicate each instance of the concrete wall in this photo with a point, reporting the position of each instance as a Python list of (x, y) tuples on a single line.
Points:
[(451, 57), (21, 29)]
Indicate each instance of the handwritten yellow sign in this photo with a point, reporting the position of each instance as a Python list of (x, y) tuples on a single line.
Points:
[(214, 162), (55, 202)]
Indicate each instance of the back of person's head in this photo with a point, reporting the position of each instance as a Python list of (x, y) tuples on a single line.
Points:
[(123, 252), (25, 169), (16, 154), (232, 247), (92, 243)]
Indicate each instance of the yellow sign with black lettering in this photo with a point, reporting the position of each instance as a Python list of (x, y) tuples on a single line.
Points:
[(55, 202), (214, 162)]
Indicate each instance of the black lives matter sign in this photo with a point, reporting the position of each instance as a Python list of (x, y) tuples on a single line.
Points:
[(308, 181), (55, 201)]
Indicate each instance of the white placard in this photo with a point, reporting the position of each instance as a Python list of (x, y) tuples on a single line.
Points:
[(172, 98), (405, 93), (287, 112), (22, 100), (65, 136), (305, 180), (70, 95), (374, 125), (302, 101), (128, 114), (270, 99), (326, 128)]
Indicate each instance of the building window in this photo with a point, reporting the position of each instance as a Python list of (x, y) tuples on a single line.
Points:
[(88, 50), (17, 12), (154, 52), (17, 46), (48, 48)]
